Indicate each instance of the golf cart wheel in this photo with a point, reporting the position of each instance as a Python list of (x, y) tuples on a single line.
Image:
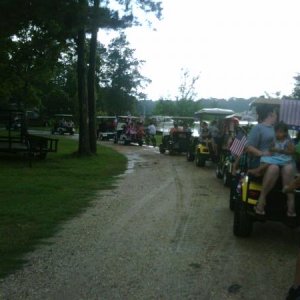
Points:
[(242, 223), (233, 192), (219, 174), (200, 160), (140, 143), (190, 156), (154, 142), (61, 132), (171, 152), (162, 150), (42, 155), (226, 178)]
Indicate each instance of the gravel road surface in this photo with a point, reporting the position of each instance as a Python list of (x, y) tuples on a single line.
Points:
[(165, 232)]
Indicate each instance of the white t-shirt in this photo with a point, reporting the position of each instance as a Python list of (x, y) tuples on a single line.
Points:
[(152, 129)]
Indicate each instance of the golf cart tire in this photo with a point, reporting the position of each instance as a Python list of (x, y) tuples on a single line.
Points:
[(219, 174), (231, 199), (140, 143), (190, 156), (199, 160), (162, 150), (226, 178), (242, 223)]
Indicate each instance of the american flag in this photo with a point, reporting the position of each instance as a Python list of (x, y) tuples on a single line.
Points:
[(290, 113), (238, 144)]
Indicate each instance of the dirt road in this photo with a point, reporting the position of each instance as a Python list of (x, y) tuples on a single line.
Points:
[(165, 232)]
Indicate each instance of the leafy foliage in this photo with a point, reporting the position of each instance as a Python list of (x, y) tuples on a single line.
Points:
[(296, 91)]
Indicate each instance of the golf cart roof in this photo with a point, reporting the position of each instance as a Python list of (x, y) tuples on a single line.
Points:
[(128, 117), (265, 101), (183, 118), (214, 112), (247, 123), (105, 117), (63, 115)]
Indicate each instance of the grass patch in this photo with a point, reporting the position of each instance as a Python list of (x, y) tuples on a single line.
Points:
[(34, 201)]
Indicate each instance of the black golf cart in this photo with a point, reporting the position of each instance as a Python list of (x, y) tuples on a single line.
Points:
[(177, 140)]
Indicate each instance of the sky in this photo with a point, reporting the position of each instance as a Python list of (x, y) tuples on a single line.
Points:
[(240, 48)]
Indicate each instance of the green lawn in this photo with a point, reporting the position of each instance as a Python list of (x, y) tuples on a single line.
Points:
[(34, 201)]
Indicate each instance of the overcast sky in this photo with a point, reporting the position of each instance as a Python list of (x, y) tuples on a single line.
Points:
[(242, 48)]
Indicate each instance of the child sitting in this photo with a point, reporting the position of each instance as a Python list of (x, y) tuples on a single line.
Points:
[(281, 152)]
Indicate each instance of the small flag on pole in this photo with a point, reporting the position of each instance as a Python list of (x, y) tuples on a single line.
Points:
[(238, 145)]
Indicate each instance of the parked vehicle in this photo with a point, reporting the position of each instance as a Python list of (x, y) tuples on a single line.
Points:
[(129, 130), (63, 123), (106, 127), (225, 163), (177, 142), (247, 188), (163, 124), (204, 151), (177, 139), (17, 139), (194, 141)]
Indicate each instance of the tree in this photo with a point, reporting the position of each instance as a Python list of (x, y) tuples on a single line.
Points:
[(187, 88), (296, 91), (57, 22), (120, 77)]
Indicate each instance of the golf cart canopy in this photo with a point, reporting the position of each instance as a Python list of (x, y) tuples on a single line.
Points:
[(105, 117), (215, 112), (63, 116), (275, 102)]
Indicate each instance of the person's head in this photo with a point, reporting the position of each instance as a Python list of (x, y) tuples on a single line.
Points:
[(281, 130), (204, 124), (266, 112)]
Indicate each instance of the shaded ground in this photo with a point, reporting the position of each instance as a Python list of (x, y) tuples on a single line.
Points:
[(164, 233)]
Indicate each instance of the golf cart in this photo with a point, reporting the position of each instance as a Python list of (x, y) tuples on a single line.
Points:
[(194, 141), (232, 127), (129, 130), (106, 127), (63, 123), (178, 138), (163, 124), (203, 151), (17, 140), (248, 187)]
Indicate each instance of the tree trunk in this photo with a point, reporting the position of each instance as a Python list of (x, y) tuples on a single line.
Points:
[(84, 141), (91, 80)]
